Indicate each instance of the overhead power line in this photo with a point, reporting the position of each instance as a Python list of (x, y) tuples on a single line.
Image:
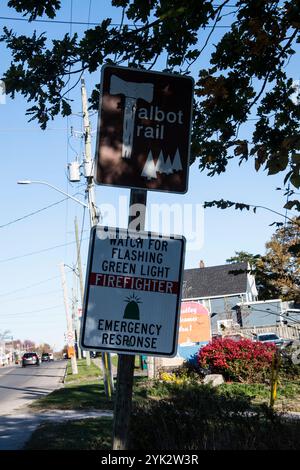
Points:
[(31, 285), (27, 129), (277, 314), (44, 250), (24, 297), (30, 312), (35, 212), (85, 23)]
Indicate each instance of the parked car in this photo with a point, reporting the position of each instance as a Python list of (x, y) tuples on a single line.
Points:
[(270, 338), (45, 357), (30, 359), (51, 356)]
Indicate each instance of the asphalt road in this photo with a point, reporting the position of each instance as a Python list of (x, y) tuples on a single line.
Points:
[(19, 386)]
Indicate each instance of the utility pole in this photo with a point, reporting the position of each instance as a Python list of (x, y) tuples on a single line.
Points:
[(94, 214), (70, 333), (88, 163)]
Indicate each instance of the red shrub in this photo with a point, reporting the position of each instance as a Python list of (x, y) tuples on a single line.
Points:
[(242, 361)]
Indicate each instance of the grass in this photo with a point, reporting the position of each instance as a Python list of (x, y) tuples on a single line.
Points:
[(209, 427), (288, 393), (199, 417), (182, 417), (175, 416), (82, 391), (89, 395), (85, 373), (87, 434)]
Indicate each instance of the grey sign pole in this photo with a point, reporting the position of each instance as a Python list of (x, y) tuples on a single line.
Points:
[(123, 400)]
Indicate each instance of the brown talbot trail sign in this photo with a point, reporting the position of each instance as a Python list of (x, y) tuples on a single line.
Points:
[(132, 296), (144, 129)]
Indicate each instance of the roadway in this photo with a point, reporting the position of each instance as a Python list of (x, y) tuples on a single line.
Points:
[(18, 388), (21, 385)]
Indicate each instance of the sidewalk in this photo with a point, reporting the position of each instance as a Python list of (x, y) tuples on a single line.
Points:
[(16, 428)]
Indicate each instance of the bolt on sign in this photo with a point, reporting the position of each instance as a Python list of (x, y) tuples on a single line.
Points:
[(144, 129), (132, 292)]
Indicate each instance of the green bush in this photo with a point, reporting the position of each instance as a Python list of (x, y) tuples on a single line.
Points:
[(288, 370)]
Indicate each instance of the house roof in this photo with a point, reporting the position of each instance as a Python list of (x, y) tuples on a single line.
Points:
[(215, 281)]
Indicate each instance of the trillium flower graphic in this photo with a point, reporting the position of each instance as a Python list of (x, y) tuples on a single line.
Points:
[(132, 311)]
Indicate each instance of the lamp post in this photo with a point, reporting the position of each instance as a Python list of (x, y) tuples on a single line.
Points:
[(53, 187), (88, 361)]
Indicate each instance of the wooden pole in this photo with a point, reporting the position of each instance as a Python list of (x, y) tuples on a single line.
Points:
[(274, 377), (123, 401), (94, 218)]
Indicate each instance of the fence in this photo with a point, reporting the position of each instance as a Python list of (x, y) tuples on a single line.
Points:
[(283, 331)]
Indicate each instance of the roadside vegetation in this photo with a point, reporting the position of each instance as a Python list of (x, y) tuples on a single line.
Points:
[(200, 417), (85, 373), (82, 391), (179, 412), (87, 434)]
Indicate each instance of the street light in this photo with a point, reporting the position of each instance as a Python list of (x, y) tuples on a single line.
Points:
[(74, 199), (53, 187)]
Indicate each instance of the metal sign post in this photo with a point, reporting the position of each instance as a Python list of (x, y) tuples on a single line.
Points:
[(143, 143), (132, 299), (123, 399)]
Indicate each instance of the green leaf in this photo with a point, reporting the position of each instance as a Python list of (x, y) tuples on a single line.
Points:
[(290, 204), (66, 108), (295, 180)]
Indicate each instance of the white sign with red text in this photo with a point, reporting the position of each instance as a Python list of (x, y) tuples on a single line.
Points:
[(133, 292)]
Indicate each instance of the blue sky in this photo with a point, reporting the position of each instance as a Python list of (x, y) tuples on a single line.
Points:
[(31, 300)]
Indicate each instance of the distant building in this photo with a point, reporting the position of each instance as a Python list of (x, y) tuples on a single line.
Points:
[(219, 289)]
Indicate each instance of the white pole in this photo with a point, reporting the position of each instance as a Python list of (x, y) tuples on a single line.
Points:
[(79, 266), (70, 333), (75, 312)]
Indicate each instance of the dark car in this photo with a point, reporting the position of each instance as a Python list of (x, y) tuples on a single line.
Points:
[(45, 357), (30, 359)]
